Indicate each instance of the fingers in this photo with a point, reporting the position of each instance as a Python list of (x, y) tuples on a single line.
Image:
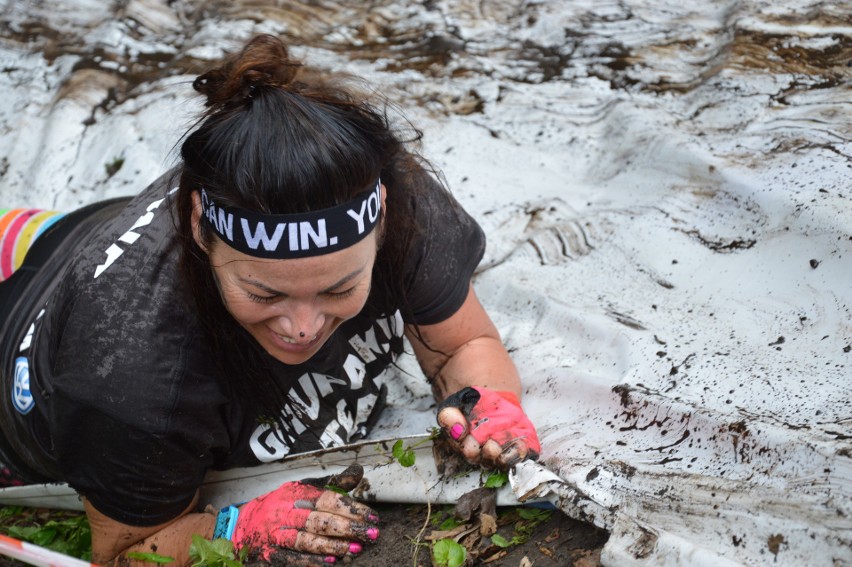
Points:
[(346, 480), (453, 422), (345, 506), (491, 453), (488, 427), (325, 534), (327, 546), (505, 456), (332, 525)]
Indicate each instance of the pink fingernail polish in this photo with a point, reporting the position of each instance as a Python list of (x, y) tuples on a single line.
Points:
[(329, 559), (355, 548), (457, 430), (373, 534), (372, 518)]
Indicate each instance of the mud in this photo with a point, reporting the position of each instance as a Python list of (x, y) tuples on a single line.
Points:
[(406, 530), (559, 542)]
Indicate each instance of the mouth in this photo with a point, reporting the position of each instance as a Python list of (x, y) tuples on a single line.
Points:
[(291, 344), (293, 341)]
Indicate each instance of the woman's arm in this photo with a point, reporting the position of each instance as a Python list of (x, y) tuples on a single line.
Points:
[(475, 379), (299, 524), (112, 539), (464, 350)]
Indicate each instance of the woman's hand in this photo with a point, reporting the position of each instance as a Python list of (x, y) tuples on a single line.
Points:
[(477, 385), (301, 524), (488, 427)]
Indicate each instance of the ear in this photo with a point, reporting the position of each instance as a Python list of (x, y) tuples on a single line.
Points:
[(196, 220), (380, 238)]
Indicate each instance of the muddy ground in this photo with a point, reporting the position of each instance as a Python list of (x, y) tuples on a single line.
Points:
[(549, 539), (559, 541)]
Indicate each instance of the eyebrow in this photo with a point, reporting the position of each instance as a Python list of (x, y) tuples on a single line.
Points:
[(345, 279)]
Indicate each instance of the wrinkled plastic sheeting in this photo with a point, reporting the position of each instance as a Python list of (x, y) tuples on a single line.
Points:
[(665, 189)]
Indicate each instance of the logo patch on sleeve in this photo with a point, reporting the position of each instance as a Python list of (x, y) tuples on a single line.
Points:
[(22, 398)]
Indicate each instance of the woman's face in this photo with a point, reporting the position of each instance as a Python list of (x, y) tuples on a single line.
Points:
[(292, 307)]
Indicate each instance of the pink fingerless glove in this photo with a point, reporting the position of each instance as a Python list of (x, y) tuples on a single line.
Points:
[(493, 415), (274, 519)]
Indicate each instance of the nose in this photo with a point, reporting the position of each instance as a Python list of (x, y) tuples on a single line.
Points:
[(302, 317)]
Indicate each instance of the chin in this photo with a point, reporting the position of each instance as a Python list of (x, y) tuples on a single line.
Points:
[(293, 358)]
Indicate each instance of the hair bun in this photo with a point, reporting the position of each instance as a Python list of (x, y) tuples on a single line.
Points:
[(263, 63)]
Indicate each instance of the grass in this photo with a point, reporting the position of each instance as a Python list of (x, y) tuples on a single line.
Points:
[(57, 530)]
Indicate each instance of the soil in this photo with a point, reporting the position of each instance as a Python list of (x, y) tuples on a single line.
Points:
[(558, 541), (552, 540)]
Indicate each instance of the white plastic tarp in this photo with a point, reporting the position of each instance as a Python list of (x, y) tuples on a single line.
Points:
[(666, 192)]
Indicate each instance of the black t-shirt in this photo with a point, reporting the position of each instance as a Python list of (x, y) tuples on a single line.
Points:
[(115, 390)]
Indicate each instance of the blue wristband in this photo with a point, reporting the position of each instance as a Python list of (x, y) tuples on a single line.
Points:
[(226, 521)]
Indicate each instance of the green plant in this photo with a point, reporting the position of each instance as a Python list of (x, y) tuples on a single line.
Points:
[(496, 479), (65, 533), (448, 553), (529, 518), (217, 553), (445, 520), (150, 557), (404, 455)]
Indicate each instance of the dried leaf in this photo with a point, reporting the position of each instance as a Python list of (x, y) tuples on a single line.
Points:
[(449, 534), (545, 551), (487, 524), (472, 501), (499, 555), (591, 558)]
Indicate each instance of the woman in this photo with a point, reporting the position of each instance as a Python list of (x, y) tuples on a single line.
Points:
[(244, 307)]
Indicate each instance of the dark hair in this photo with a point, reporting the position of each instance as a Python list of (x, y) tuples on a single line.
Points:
[(277, 137)]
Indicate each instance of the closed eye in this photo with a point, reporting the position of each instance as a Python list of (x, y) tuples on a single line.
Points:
[(261, 298), (340, 294)]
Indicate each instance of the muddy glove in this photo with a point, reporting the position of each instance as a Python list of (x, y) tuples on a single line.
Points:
[(489, 427), (300, 523)]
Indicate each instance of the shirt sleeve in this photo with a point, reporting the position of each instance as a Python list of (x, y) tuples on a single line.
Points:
[(448, 247)]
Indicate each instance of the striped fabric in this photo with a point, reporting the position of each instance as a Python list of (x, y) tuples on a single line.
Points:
[(19, 228)]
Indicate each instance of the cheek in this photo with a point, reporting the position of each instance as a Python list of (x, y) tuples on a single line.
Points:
[(241, 307), (247, 311), (347, 308)]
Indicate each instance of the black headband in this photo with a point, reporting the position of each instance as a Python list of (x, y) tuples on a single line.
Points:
[(296, 235)]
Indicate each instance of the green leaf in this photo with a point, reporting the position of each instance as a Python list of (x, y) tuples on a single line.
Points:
[(403, 455), (336, 489), (152, 557), (216, 553), (500, 541), (537, 514), (11, 511), (71, 535), (496, 479), (449, 524), (397, 449), (457, 555), (448, 553)]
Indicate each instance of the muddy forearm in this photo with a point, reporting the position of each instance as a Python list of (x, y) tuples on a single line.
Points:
[(171, 541), (174, 540), (482, 362)]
